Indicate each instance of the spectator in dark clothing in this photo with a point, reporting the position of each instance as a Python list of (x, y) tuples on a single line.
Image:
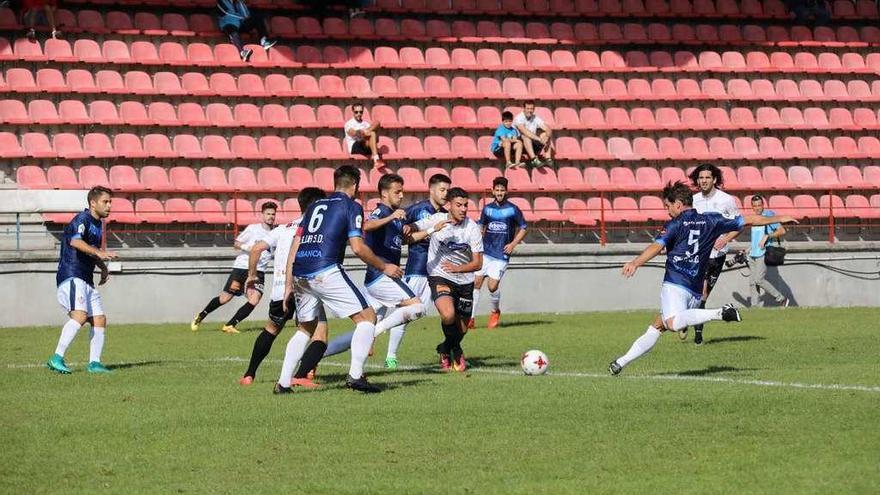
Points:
[(235, 18), (32, 8), (804, 10)]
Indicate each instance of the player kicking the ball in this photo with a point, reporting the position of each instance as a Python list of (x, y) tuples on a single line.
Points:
[(80, 253), (688, 239), (503, 229)]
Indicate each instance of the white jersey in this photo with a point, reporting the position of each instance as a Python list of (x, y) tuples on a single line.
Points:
[(246, 239), (717, 202), (455, 243), (532, 124), (280, 240), (357, 126)]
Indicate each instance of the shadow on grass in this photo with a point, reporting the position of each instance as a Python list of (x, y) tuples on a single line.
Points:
[(526, 323), (124, 366), (711, 370), (734, 338), (337, 383)]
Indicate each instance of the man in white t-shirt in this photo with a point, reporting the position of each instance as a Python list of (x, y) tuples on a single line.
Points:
[(362, 137), (235, 284), (710, 199), (454, 255), (536, 136)]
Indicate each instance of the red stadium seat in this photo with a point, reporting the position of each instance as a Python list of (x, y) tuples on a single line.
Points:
[(31, 177), (775, 177), (214, 179), (244, 179), (217, 148), (62, 177), (210, 211), (122, 177), (154, 178), (245, 148)]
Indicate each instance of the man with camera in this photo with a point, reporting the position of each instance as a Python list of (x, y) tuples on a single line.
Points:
[(756, 258)]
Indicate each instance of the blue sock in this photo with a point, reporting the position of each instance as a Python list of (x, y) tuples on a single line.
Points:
[(339, 344)]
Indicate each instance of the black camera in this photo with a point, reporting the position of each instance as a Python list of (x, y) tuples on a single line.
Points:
[(739, 258)]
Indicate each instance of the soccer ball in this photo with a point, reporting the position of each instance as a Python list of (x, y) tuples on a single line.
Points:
[(534, 362)]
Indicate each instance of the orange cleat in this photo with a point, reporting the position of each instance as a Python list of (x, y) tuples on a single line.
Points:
[(304, 383), (494, 319), (472, 324), (459, 365), (445, 362), (246, 381)]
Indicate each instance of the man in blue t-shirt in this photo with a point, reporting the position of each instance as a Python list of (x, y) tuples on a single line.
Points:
[(757, 268), (504, 227), (80, 253), (315, 275), (506, 142), (688, 239)]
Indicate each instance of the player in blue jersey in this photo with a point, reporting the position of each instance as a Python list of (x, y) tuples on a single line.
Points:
[(504, 227), (80, 253), (688, 239), (315, 275)]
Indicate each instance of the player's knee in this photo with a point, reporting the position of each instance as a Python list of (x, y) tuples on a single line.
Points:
[(224, 297), (79, 316), (99, 321), (418, 310), (493, 285)]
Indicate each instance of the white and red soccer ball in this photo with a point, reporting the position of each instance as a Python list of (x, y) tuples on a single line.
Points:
[(534, 362)]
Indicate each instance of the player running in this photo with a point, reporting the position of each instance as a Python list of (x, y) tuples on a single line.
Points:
[(315, 275), (278, 243), (455, 253), (503, 229), (80, 253), (235, 284), (688, 239)]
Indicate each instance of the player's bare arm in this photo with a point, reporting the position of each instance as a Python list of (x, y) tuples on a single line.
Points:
[(83, 247), (725, 239), (253, 258), (288, 271), (362, 251), (475, 264), (105, 273), (415, 235), (647, 255), (776, 234), (759, 220), (378, 223), (518, 238)]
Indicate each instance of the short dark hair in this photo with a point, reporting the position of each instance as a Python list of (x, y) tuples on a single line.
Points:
[(499, 181), (308, 196), (678, 191), (356, 104), (346, 176), (506, 115), (456, 192), (716, 173), (758, 197), (96, 192), (529, 102), (439, 178), (386, 180), (269, 205)]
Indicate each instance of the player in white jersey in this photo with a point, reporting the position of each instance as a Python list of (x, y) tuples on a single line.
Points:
[(455, 253), (278, 243), (235, 284), (711, 199)]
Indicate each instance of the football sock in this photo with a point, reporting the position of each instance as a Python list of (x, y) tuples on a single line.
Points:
[(262, 346), (295, 349), (399, 316), (68, 332), (452, 333), (361, 342), (495, 297), (476, 298), (311, 358), (699, 328), (243, 312), (691, 317), (641, 346), (339, 344), (395, 338), (96, 344), (212, 305)]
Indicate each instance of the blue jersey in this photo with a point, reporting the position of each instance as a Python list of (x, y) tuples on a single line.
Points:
[(689, 238), (385, 241), (500, 222), (502, 132), (324, 232), (75, 263), (417, 257)]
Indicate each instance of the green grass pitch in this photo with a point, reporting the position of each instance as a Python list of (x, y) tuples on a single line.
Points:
[(788, 401)]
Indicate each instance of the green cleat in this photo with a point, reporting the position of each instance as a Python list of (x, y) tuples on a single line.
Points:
[(97, 367), (56, 364), (391, 363)]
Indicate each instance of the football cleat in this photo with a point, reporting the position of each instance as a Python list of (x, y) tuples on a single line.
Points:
[(614, 368), (246, 381), (246, 54), (698, 338), (361, 385), (229, 329), (97, 367), (730, 313), (472, 324), (459, 364), (683, 333), (304, 383), (391, 363), (494, 319), (194, 326), (445, 362), (278, 390), (56, 364), (267, 43)]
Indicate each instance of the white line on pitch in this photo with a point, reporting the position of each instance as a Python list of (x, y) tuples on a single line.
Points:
[(513, 372)]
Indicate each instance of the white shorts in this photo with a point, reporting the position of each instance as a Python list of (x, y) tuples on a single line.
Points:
[(675, 299), (74, 294), (419, 286), (492, 268), (333, 288), (388, 292)]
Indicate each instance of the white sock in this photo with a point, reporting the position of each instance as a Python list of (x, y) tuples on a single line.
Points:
[(641, 346), (691, 317), (96, 344), (68, 332), (295, 349), (395, 337), (360, 347), (476, 298), (495, 298), (399, 316)]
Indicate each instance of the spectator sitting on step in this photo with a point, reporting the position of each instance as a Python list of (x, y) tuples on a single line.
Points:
[(506, 141), (31, 9), (361, 137), (235, 18), (535, 136)]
